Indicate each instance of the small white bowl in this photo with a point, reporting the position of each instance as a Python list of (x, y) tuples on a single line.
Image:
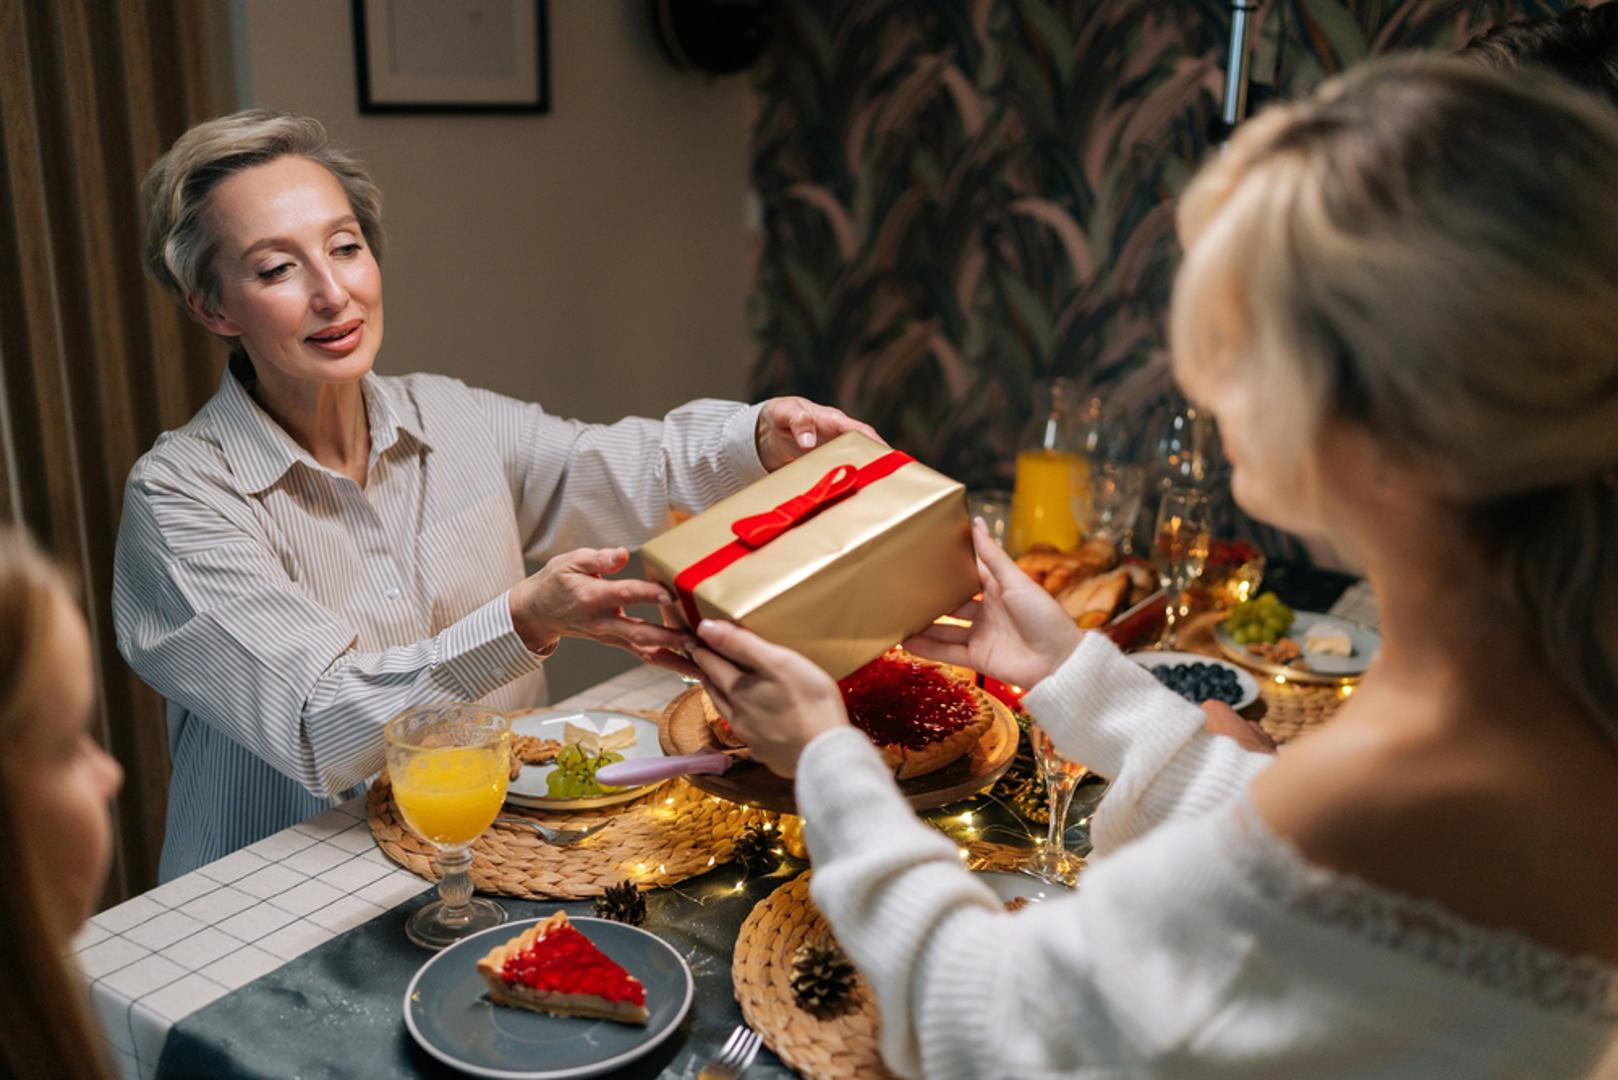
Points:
[(1152, 660)]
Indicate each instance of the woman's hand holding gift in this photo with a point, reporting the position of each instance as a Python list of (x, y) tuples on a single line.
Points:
[(776, 701), (1019, 633), (569, 597), (790, 427)]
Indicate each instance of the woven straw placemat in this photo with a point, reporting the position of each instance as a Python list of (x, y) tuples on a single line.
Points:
[(841, 1047), (1283, 710), (671, 834), (838, 1047)]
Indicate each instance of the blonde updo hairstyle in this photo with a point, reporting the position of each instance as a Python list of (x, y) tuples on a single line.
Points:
[(182, 248), (1429, 250)]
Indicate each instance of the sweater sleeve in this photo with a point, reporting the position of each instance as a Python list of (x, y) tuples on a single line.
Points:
[(965, 989), (1104, 710)]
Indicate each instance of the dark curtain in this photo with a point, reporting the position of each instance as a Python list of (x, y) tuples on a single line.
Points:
[(94, 360)]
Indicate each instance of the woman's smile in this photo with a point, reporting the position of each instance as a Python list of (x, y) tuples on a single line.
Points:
[(339, 340)]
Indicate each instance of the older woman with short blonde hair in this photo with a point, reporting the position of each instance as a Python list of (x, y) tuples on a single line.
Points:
[(322, 546), (1399, 299)]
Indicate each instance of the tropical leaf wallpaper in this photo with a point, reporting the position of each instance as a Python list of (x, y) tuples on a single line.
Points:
[(963, 196)]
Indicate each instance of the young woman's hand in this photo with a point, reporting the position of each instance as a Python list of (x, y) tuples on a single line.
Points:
[(776, 701), (1223, 720), (1019, 633)]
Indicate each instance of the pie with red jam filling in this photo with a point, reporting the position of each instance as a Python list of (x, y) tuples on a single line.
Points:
[(552, 968), (920, 715)]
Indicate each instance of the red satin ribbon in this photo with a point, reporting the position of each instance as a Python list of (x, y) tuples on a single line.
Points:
[(759, 529)]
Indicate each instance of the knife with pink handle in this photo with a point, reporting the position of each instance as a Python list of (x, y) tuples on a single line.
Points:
[(636, 772)]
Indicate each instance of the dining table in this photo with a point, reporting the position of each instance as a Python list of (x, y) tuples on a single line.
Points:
[(288, 958)]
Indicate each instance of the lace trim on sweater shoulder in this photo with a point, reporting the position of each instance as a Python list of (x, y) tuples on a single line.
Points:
[(1501, 959)]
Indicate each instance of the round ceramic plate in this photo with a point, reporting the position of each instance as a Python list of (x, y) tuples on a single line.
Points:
[(1249, 685), (529, 788), (685, 731), (449, 1013), (1328, 670), (1009, 886)]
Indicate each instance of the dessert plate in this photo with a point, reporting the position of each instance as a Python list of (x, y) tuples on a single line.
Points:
[(1010, 886), (449, 1014), (1151, 660), (684, 731), (1324, 669), (529, 788)]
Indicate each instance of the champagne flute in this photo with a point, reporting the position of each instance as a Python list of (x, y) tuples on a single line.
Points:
[(1051, 861), (449, 765), (1180, 549), (1117, 488)]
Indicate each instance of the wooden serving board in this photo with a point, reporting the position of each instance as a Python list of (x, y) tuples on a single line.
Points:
[(682, 730)]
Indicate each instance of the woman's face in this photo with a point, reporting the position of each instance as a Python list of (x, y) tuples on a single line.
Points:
[(65, 781), (1266, 484), (298, 283)]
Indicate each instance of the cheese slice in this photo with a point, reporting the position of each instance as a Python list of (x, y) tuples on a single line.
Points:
[(615, 735), (1326, 640)]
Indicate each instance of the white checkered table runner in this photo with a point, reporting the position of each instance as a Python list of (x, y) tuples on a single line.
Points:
[(153, 960)]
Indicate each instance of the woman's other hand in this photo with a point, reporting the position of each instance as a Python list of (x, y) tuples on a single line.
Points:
[(790, 427), (1019, 633), (1223, 720), (776, 701), (569, 597)]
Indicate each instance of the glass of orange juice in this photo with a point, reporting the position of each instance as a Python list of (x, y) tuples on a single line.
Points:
[(449, 764)]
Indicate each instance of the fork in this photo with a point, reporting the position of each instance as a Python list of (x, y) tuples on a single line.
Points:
[(735, 1056), (553, 836)]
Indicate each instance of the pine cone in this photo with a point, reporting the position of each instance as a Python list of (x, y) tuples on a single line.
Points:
[(755, 850), (623, 903), (822, 978)]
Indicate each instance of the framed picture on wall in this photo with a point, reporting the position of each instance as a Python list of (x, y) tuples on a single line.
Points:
[(451, 56)]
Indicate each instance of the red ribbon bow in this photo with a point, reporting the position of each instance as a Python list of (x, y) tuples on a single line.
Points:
[(760, 529)]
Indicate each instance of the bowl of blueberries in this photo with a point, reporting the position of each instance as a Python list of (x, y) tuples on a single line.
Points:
[(1199, 678)]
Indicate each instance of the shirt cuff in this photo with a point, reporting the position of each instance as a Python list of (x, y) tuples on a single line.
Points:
[(483, 651), (739, 446)]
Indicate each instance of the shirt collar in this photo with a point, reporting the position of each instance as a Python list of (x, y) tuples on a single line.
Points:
[(259, 450)]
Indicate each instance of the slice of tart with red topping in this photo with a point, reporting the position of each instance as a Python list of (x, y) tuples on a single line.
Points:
[(552, 968)]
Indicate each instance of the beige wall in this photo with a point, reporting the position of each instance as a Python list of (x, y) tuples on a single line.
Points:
[(591, 258)]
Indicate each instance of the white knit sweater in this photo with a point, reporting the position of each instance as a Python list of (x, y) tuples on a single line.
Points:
[(1198, 944)]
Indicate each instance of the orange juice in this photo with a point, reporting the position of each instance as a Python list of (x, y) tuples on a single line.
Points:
[(1053, 489), (450, 795)]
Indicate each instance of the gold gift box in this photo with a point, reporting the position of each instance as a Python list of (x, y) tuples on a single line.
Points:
[(846, 583)]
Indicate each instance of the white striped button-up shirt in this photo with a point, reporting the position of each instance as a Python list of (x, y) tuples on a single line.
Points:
[(286, 614)]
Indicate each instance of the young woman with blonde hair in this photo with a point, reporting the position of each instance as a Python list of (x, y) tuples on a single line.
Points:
[(1400, 301), (56, 786)]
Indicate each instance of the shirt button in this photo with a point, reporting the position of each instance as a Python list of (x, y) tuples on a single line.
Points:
[(392, 593)]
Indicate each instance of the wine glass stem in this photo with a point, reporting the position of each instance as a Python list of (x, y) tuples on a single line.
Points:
[(455, 882), (1059, 795), (1171, 620)]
